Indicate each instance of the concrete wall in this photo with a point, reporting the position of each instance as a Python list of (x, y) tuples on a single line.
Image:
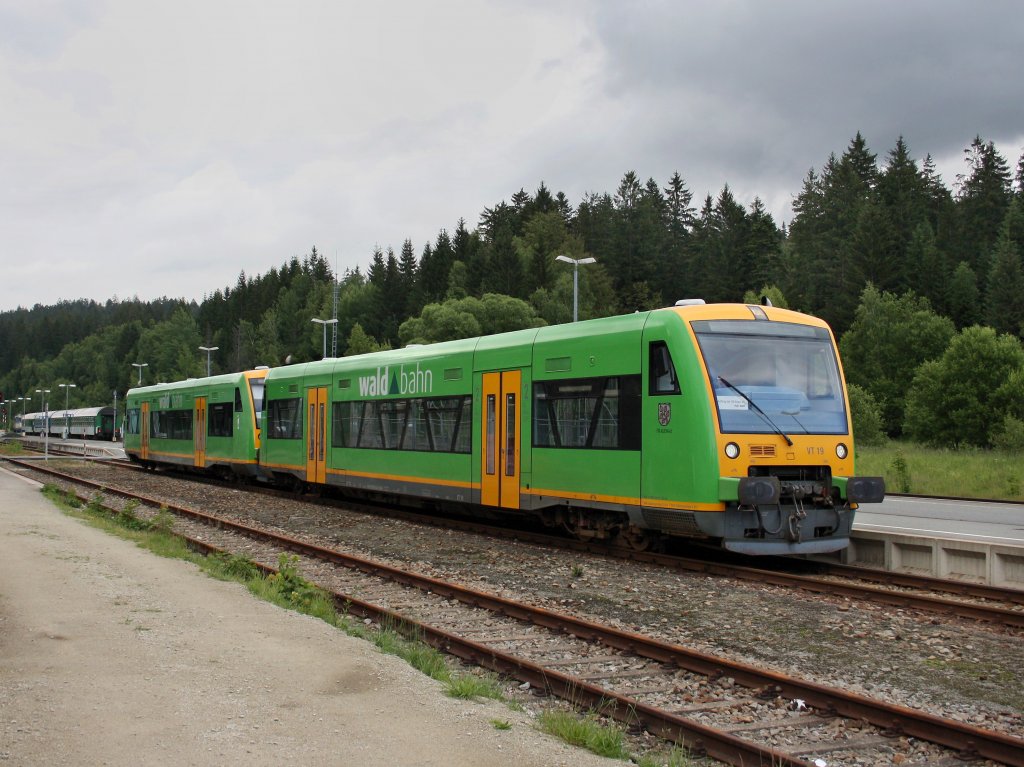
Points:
[(995, 565)]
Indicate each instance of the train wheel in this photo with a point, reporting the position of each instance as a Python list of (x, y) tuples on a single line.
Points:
[(636, 539)]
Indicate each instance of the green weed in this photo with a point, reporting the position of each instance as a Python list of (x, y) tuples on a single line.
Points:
[(469, 687), (586, 732), (678, 756), (901, 471), (286, 588)]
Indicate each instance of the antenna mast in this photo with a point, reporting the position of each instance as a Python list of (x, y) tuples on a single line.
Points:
[(334, 328)]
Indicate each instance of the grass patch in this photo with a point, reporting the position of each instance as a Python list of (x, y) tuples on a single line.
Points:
[(982, 671), (470, 687), (419, 655), (11, 448), (677, 756), (967, 472), (586, 732), (501, 724), (286, 588)]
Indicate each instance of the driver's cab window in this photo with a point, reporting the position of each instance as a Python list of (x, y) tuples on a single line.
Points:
[(662, 372)]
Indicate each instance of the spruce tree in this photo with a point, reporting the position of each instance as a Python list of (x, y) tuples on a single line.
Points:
[(876, 249), (981, 203), (681, 218), (903, 194), (927, 271), (1003, 304), (962, 296), (730, 263), (764, 244), (407, 279), (505, 272)]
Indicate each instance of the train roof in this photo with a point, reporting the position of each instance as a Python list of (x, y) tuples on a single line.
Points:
[(549, 334), (686, 311), (188, 383), (73, 412)]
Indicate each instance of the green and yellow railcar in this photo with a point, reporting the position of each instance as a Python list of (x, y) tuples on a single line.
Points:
[(210, 424), (726, 422)]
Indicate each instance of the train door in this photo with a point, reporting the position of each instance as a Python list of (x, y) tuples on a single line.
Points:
[(144, 431), (199, 432), (316, 434), (501, 422)]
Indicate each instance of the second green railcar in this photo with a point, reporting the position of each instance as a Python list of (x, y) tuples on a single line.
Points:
[(210, 424)]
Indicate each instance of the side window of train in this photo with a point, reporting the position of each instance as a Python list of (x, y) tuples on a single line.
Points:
[(238, 400), (662, 372)]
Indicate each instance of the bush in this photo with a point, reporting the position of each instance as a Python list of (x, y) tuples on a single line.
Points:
[(959, 398), (867, 416), (887, 342), (1009, 435)]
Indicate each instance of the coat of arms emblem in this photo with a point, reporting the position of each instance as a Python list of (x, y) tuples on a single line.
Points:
[(664, 413)]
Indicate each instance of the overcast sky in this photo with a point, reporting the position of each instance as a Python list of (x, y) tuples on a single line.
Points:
[(160, 148)]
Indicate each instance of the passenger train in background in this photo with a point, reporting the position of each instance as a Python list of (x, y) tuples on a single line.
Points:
[(724, 422), (85, 423)]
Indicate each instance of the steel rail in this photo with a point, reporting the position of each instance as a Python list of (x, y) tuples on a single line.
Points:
[(988, 613), (968, 740), (959, 588)]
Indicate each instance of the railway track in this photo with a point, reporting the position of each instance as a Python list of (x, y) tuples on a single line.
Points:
[(971, 601), (731, 711)]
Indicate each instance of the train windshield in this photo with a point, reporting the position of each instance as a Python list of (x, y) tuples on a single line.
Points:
[(257, 386), (771, 376)]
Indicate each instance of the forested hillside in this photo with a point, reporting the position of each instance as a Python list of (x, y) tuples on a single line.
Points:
[(901, 265)]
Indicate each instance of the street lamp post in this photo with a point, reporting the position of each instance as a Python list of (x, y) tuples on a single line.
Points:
[(325, 323), (43, 405), (575, 279), (140, 365), (67, 422), (208, 350)]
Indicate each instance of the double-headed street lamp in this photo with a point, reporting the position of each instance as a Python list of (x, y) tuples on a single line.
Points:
[(325, 323), (67, 418), (575, 279), (209, 350), (140, 365)]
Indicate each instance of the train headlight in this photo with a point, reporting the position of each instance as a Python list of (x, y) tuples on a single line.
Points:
[(841, 451), (732, 450)]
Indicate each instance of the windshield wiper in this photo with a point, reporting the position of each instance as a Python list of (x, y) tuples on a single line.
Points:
[(763, 414)]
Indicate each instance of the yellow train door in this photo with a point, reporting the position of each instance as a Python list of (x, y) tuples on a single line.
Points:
[(144, 431), (500, 439), (316, 434), (199, 432)]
